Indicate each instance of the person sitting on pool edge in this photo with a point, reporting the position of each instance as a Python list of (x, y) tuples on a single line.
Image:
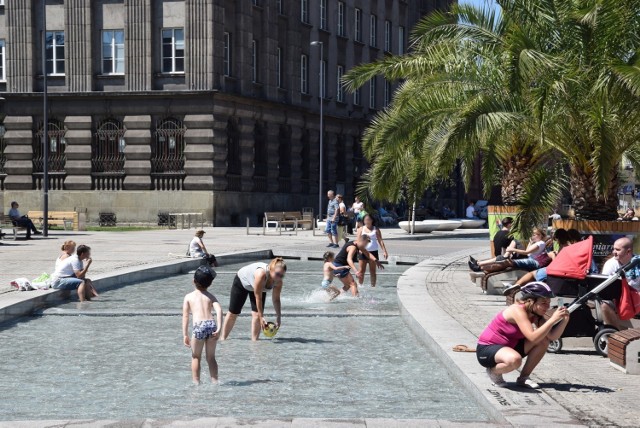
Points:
[(347, 256), (70, 274), (254, 281), (520, 331)]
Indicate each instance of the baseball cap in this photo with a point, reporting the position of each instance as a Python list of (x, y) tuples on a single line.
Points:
[(204, 276)]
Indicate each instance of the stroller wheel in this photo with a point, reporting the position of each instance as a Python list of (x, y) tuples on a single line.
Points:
[(601, 340), (555, 346)]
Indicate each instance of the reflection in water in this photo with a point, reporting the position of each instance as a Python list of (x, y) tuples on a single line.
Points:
[(300, 340)]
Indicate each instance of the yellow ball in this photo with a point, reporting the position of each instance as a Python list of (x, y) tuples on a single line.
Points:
[(270, 330)]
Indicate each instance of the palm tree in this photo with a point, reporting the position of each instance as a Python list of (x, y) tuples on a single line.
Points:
[(545, 78), (460, 98)]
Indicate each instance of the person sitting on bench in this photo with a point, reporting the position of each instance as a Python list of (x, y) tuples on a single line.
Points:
[(22, 221)]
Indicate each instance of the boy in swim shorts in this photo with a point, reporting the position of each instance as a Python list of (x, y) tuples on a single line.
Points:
[(200, 303), (329, 271)]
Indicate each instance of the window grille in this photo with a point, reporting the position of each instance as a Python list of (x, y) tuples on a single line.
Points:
[(167, 158), (108, 157), (56, 146)]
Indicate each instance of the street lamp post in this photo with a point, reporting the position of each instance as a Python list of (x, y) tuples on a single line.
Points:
[(45, 126), (320, 96)]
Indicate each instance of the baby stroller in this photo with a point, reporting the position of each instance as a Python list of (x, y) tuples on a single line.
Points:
[(567, 277)]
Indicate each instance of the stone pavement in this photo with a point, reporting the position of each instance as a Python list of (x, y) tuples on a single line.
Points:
[(117, 250), (578, 379)]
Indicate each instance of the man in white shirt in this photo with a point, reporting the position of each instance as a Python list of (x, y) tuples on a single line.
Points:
[(622, 254), (71, 274), (471, 210)]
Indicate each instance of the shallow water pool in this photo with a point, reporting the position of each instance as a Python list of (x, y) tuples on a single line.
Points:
[(122, 357)]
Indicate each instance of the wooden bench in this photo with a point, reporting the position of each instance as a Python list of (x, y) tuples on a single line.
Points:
[(66, 219), (6, 223), (624, 350), (294, 219)]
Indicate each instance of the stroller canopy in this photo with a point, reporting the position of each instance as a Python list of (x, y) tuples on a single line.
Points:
[(573, 261)]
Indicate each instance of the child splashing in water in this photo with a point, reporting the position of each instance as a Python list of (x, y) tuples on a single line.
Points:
[(328, 271), (200, 304)]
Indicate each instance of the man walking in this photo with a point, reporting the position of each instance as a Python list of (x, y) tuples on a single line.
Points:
[(332, 220)]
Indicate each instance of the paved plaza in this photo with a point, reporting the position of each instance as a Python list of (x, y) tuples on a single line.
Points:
[(578, 385)]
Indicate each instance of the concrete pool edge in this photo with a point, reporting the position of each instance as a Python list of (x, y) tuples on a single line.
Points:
[(440, 332), (19, 304)]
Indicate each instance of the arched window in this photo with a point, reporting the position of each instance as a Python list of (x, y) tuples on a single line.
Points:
[(3, 157), (56, 146), (234, 161), (340, 159), (305, 164), (167, 155), (284, 158), (107, 156), (260, 158)]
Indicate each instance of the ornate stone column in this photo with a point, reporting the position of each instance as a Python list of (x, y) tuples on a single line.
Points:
[(78, 152), (77, 16), (199, 43), (137, 165), (137, 42), (19, 152), (21, 48)]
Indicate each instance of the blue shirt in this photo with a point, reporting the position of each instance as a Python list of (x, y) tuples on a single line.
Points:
[(331, 208), (14, 214)]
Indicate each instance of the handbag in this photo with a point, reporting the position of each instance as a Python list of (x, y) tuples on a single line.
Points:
[(343, 220)]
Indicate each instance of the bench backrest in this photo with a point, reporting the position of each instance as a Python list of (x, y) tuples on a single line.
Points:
[(275, 216), (292, 215), (57, 215)]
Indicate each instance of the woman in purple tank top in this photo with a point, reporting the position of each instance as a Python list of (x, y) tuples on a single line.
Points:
[(521, 331)]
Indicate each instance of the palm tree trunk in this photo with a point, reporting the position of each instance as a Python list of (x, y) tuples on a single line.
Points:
[(588, 205), (516, 172)]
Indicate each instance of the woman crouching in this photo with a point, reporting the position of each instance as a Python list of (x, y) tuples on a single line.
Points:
[(521, 331)]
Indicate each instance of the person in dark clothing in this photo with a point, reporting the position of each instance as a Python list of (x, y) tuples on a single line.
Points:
[(348, 256), (501, 242)]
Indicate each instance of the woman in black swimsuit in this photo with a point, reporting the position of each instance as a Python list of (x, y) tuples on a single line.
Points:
[(348, 256)]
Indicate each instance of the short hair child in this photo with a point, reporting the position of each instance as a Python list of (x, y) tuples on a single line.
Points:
[(200, 304)]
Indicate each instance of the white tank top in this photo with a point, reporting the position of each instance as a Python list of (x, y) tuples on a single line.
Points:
[(247, 275), (373, 244)]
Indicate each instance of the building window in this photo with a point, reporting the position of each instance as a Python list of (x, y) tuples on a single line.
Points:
[(356, 96), (323, 14), (260, 158), (372, 93), (55, 52), (387, 36), (107, 156), (279, 6), (168, 151), (3, 67), (304, 74), (234, 162), (339, 86), (304, 11), (226, 62), (400, 40), (341, 18), (279, 67), (373, 35), (113, 52), (387, 92), (3, 157), (323, 79), (56, 144), (341, 159), (254, 60), (305, 158), (173, 50), (284, 152), (357, 35)]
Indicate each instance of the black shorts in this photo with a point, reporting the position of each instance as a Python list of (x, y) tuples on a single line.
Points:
[(486, 354), (238, 297), (373, 253)]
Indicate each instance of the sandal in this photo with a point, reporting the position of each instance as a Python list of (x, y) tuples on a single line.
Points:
[(462, 348)]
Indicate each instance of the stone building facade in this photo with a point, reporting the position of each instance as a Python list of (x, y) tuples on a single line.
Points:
[(189, 105)]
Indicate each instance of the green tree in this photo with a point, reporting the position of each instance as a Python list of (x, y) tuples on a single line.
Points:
[(541, 83)]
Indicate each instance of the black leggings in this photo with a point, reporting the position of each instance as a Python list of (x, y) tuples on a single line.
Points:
[(238, 297)]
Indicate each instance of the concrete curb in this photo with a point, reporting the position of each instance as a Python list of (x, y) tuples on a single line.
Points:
[(20, 304), (440, 332)]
